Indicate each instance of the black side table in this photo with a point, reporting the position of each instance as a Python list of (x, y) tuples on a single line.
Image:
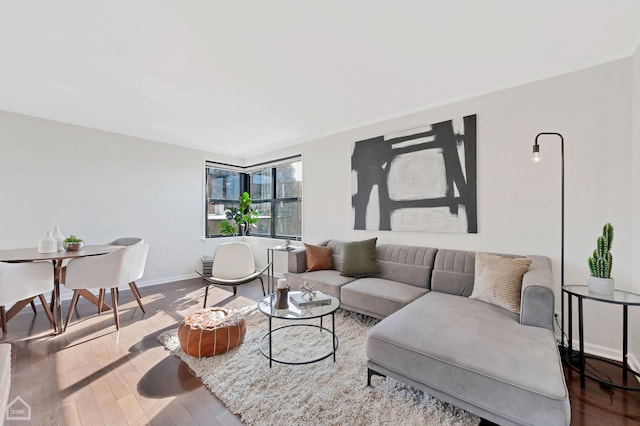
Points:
[(618, 297), (267, 306)]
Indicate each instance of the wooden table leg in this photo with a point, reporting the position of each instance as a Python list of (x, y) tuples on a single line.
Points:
[(93, 299)]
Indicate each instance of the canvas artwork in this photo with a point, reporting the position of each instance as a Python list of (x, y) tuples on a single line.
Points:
[(423, 179)]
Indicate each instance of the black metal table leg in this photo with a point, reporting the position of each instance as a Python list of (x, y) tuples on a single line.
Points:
[(270, 353), (333, 334), (564, 348), (569, 350), (581, 334), (625, 343)]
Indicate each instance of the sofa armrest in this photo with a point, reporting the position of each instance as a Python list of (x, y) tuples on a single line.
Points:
[(537, 302), (297, 260)]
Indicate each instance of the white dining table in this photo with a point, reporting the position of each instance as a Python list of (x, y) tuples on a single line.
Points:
[(31, 255)]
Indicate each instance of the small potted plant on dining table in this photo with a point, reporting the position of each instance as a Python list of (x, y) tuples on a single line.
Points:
[(73, 243)]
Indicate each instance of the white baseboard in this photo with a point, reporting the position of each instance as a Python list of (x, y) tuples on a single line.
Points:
[(601, 351), (165, 280), (609, 353)]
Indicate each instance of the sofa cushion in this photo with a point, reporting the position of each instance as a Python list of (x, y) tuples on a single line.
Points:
[(453, 272), (477, 353), (336, 251), (406, 264), (318, 257), (327, 281), (378, 297), (498, 280), (359, 258)]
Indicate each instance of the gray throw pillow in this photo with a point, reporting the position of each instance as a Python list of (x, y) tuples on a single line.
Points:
[(359, 259)]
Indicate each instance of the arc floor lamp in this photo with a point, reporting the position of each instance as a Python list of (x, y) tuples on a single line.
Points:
[(536, 158)]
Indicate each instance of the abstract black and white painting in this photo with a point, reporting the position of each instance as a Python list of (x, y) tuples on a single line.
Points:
[(423, 179)]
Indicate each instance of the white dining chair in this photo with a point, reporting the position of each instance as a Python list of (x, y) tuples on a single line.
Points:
[(102, 272), (137, 271), (126, 241), (140, 264), (22, 282)]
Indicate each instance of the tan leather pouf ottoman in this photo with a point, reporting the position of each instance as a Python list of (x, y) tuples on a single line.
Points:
[(211, 331)]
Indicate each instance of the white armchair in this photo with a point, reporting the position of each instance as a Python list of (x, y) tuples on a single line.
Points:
[(20, 283), (233, 265)]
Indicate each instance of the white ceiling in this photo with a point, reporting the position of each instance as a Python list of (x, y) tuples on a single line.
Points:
[(245, 77)]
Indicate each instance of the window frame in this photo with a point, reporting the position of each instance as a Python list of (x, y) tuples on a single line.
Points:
[(274, 200), (245, 185)]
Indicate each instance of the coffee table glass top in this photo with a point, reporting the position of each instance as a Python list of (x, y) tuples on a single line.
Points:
[(267, 306)]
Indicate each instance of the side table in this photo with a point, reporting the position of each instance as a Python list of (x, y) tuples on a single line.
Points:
[(619, 297), (271, 285)]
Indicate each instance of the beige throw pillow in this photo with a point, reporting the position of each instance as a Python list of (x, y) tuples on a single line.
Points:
[(498, 280)]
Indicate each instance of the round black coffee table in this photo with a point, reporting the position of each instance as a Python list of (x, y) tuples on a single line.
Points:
[(267, 305)]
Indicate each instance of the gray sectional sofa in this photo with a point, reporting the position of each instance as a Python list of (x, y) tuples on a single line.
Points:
[(501, 366)]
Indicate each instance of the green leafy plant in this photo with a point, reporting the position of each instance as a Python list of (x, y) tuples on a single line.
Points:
[(240, 219), (601, 262), (72, 239)]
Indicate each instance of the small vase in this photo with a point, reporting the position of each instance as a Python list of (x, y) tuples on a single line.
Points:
[(282, 298), (48, 244), (58, 236), (604, 286)]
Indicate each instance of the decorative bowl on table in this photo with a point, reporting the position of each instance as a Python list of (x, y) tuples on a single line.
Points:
[(73, 246)]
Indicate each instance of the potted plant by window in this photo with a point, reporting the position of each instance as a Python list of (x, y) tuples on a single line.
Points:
[(601, 263), (72, 243), (240, 219)]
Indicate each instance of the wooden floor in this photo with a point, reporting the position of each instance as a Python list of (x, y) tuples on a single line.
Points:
[(93, 375)]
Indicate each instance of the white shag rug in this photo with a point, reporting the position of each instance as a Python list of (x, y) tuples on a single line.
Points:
[(323, 393)]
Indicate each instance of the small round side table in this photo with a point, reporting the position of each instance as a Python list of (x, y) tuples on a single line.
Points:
[(618, 297)]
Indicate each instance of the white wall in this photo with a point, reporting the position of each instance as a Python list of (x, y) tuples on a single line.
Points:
[(121, 185), (100, 186), (635, 318), (518, 201)]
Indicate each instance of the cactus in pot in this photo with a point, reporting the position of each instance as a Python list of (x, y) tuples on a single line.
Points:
[(601, 263)]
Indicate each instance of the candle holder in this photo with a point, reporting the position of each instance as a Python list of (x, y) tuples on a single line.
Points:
[(282, 298)]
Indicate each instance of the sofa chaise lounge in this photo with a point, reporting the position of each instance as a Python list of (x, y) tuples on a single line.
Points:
[(502, 366)]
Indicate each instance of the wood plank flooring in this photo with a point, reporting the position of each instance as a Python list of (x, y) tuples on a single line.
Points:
[(93, 375)]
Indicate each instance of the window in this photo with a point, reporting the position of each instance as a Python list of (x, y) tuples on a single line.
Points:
[(276, 191), (223, 187), (277, 194)]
